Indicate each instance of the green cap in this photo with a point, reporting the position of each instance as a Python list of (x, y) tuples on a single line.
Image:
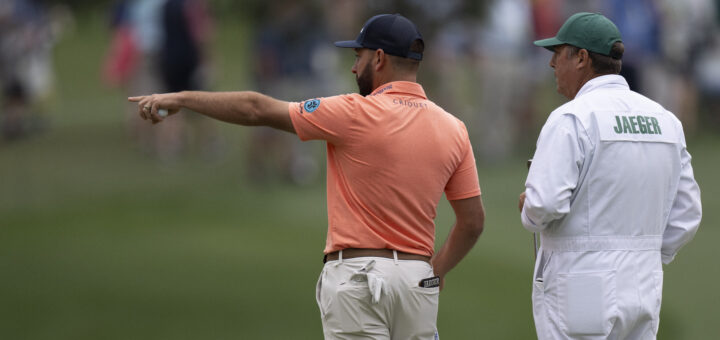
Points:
[(590, 31)]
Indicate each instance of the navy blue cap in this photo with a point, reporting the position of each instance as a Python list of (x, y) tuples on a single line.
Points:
[(393, 33)]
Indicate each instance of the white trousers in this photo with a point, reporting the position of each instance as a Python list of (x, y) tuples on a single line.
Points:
[(597, 295), (377, 298)]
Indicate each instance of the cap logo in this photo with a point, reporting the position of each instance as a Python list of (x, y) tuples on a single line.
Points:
[(311, 105)]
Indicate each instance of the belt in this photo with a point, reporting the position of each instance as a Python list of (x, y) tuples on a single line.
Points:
[(350, 253), (600, 243)]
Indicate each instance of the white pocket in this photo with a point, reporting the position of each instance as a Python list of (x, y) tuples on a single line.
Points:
[(319, 296), (658, 287), (539, 309), (588, 302)]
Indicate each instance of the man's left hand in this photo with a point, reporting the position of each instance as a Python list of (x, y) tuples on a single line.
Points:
[(521, 202)]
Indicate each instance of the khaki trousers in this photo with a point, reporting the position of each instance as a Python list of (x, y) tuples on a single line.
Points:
[(377, 298)]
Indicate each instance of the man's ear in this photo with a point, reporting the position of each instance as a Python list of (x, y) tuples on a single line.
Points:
[(583, 58), (380, 59)]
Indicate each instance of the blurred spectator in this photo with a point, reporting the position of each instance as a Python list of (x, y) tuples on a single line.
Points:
[(688, 31), (707, 73), (570, 7), (160, 46), (448, 57), (28, 32), (546, 16), (286, 51), (639, 23), (132, 60), (183, 63), (480, 63), (452, 57), (502, 73)]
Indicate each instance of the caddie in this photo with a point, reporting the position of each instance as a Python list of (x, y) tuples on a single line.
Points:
[(391, 154), (610, 190)]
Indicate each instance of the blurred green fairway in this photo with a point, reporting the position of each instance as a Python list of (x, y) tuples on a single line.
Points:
[(98, 241)]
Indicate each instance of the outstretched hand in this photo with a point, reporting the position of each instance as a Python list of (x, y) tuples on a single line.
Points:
[(149, 106)]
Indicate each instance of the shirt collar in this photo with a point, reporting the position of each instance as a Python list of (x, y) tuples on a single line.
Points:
[(406, 87), (606, 81)]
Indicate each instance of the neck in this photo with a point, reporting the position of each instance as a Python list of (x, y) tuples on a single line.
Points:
[(384, 78), (582, 81)]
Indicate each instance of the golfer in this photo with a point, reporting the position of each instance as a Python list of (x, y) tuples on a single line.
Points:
[(610, 190), (391, 154)]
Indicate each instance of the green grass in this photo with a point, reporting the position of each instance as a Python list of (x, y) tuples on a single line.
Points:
[(98, 241)]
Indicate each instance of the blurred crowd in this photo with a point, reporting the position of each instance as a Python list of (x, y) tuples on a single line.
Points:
[(28, 32), (480, 64), (486, 70), (161, 46)]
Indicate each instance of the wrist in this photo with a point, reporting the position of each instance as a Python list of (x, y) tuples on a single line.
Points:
[(181, 98), (438, 269)]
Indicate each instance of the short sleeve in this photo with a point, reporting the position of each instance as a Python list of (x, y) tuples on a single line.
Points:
[(328, 118), (464, 182)]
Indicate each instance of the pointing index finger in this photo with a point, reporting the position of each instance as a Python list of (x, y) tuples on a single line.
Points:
[(136, 99)]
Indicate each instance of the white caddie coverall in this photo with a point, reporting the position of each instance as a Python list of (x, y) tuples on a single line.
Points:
[(611, 192)]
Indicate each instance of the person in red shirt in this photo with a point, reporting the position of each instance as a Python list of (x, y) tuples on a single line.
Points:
[(391, 154)]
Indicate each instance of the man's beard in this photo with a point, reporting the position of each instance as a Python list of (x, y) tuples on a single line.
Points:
[(365, 81)]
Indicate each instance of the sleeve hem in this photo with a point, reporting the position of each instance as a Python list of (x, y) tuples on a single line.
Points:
[(666, 259), (528, 223), (463, 195), (296, 126)]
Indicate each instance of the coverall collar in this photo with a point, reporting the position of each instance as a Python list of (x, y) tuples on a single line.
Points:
[(606, 81)]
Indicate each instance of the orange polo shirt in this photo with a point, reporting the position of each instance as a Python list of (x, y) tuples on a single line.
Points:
[(390, 157)]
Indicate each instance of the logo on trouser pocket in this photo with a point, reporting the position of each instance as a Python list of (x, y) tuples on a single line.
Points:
[(430, 282)]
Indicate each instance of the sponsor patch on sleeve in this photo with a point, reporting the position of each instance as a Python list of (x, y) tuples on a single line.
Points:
[(311, 105)]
